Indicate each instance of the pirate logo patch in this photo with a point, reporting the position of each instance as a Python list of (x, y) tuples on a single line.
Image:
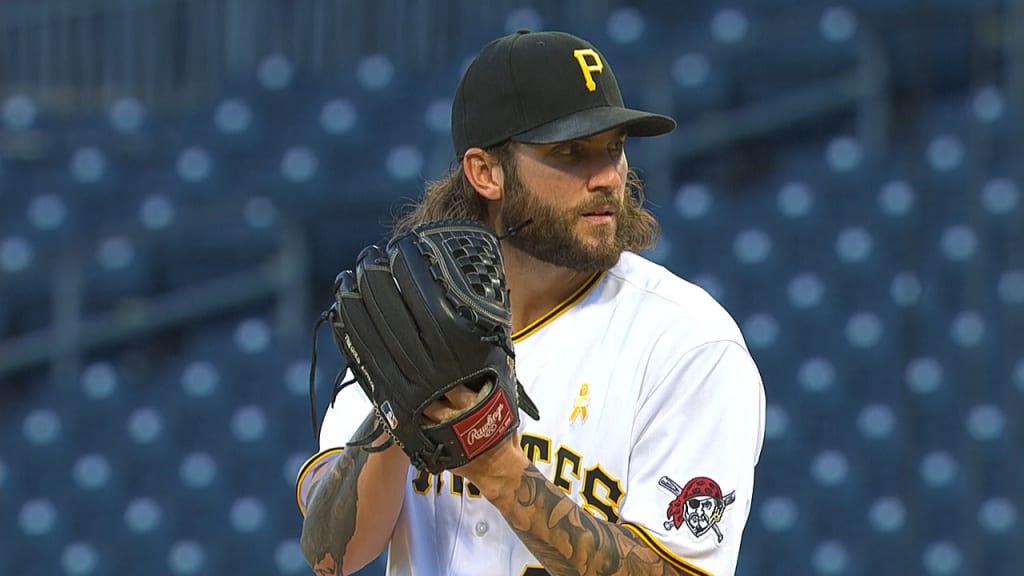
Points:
[(699, 504)]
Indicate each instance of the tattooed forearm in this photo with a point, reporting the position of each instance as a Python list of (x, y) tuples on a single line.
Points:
[(569, 541), (331, 511)]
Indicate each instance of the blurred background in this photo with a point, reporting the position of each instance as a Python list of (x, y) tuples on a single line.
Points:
[(180, 180)]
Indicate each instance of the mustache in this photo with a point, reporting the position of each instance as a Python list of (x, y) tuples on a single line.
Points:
[(614, 202)]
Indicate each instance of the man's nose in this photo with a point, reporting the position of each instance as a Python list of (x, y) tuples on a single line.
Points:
[(607, 174)]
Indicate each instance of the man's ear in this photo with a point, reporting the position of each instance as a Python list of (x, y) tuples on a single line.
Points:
[(484, 172)]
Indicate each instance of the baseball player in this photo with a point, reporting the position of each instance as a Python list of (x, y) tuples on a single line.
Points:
[(651, 408)]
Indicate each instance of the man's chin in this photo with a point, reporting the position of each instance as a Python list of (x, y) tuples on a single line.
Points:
[(598, 236), (599, 260), (604, 247), (586, 261)]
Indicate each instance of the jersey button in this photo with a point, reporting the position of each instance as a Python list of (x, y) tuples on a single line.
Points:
[(481, 528)]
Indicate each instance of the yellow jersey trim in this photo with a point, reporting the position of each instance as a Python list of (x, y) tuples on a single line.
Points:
[(557, 311), (311, 464), (682, 565)]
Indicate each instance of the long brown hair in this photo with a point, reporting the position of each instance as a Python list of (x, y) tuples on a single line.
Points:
[(452, 196)]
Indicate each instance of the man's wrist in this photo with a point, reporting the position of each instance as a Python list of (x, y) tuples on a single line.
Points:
[(498, 473)]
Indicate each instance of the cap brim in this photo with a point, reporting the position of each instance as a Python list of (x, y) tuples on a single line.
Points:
[(596, 120)]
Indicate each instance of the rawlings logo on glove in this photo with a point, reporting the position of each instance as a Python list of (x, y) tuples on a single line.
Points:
[(478, 434)]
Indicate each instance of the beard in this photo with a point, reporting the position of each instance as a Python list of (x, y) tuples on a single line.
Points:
[(551, 237)]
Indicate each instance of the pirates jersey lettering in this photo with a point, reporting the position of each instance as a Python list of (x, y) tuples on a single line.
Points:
[(599, 492)]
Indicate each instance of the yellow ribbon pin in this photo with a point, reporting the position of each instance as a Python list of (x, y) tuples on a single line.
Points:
[(580, 406)]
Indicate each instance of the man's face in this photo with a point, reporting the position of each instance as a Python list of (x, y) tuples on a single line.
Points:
[(574, 192)]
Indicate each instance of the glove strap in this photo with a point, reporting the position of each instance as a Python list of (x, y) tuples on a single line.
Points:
[(325, 316), (364, 442), (526, 403)]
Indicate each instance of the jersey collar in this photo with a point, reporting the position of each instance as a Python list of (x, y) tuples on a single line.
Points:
[(562, 308)]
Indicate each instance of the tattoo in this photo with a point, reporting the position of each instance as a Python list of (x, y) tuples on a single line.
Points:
[(326, 566), (569, 541), (331, 511)]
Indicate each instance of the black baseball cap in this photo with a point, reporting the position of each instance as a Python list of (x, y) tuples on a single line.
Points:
[(541, 88)]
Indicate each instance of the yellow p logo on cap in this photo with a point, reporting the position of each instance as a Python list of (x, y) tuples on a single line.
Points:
[(589, 63)]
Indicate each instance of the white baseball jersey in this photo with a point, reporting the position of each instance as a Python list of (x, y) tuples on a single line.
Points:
[(652, 415)]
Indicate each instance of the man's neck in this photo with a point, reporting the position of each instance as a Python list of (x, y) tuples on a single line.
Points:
[(536, 287)]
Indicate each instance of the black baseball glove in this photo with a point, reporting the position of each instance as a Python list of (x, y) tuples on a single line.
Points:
[(424, 315)]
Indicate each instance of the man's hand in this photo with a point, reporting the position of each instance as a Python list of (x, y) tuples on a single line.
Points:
[(454, 402), (498, 471)]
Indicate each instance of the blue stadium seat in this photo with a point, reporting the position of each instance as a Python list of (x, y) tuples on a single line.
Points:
[(188, 555), (702, 83), (295, 176), (235, 125), (116, 269), (134, 550), (818, 45), (40, 525)]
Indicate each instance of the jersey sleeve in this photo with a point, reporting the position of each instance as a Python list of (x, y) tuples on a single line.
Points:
[(698, 434), (343, 416)]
